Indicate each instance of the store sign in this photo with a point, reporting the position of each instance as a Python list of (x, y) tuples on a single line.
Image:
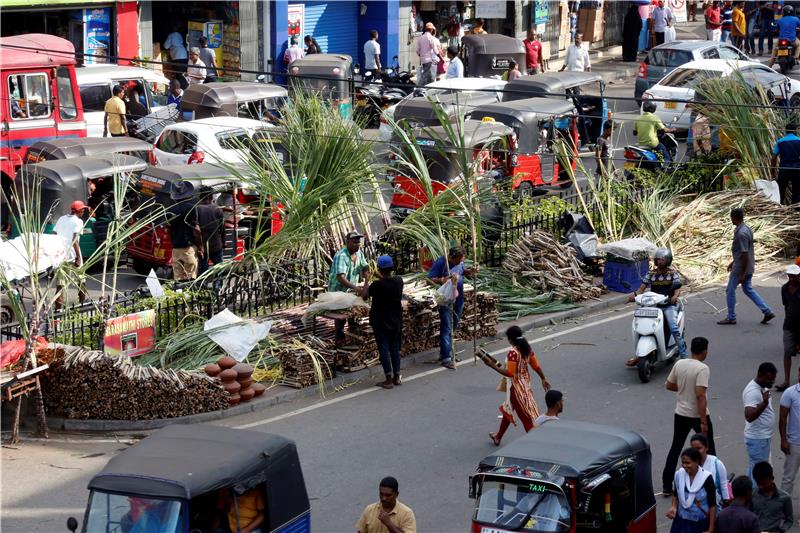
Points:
[(97, 35), (296, 15), (678, 8), (541, 11), (131, 335), (490, 9)]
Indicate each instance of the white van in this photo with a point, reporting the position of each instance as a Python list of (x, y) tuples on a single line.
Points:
[(96, 81)]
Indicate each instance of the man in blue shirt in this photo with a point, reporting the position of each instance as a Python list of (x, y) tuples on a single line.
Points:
[(726, 14), (443, 269), (788, 150), (787, 29)]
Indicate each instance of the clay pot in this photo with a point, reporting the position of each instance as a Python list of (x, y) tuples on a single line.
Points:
[(213, 370), (227, 375), (246, 382), (227, 362), (234, 399), (231, 387), (243, 370), (247, 394), (259, 389)]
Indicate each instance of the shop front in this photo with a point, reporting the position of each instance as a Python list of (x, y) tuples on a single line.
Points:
[(100, 30)]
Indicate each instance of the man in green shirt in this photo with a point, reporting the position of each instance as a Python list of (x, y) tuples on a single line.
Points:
[(772, 505), (348, 269), (647, 127)]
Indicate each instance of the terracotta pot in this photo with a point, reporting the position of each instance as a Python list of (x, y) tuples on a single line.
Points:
[(247, 394), (213, 370), (243, 370), (231, 387), (234, 399), (227, 375), (246, 382), (259, 389), (227, 362)]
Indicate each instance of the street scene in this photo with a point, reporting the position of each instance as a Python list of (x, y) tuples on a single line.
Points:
[(398, 266)]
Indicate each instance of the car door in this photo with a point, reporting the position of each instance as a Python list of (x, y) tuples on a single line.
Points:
[(174, 147), (94, 97)]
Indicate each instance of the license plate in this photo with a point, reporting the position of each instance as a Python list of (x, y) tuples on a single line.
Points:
[(159, 252), (629, 164), (670, 105), (783, 52), (647, 313), (493, 530), (361, 103)]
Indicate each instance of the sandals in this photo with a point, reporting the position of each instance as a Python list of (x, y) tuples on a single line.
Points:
[(494, 438), (632, 362)]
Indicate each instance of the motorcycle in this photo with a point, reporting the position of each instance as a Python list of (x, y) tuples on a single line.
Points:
[(785, 56), (373, 96), (650, 158), (652, 338)]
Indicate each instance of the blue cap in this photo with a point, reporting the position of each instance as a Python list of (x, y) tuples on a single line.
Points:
[(385, 261)]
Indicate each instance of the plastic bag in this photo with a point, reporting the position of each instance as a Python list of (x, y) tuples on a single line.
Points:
[(769, 189), (239, 337), (333, 301), (669, 34), (447, 293), (12, 351)]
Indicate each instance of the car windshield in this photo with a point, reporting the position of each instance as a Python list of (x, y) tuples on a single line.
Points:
[(116, 513), (688, 78), (535, 507), (664, 57)]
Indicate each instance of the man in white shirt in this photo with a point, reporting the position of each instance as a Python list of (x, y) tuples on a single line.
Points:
[(372, 56), (177, 49), (789, 427), (662, 19), (196, 69), (555, 406), (69, 228), (759, 415), (456, 68), (577, 59)]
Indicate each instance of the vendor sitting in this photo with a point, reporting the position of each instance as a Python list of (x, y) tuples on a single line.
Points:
[(349, 268)]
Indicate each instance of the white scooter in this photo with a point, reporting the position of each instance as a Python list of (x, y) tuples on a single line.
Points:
[(652, 338)]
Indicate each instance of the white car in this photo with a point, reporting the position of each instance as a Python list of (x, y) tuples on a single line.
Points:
[(679, 85), (209, 140), (463, 85), (96, 81)]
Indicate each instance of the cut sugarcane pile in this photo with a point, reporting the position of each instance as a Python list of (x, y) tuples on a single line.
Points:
[(305, 360), (541, 262), (484, 320), (92, 385)]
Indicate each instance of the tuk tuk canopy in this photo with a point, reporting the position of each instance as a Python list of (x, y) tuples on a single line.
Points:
[(422, 111), (489, 55), (72, 147), (160, 180), (327, 74), (549, 84), (223, 98), (185, 461), (476, 134)]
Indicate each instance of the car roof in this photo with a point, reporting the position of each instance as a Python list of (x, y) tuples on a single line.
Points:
[(690, 44), (217, 124), (104, 72), (467, 84), (718, 65)]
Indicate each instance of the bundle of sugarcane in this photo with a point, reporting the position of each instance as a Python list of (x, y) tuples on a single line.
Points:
[(92, 385), (541, 262), (478, 319), (305, 360), (700, 232)]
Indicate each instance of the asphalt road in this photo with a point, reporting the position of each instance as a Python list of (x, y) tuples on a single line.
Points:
[(431, 432)]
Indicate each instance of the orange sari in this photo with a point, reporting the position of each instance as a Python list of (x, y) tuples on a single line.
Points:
[(519, 397)]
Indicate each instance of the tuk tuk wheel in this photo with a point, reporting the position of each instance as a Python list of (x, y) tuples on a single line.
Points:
[(645, 368), (525, 190), (6, 316), (141, 267)]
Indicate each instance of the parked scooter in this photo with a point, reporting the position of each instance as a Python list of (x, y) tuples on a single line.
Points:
[(652, 338), (373, 96)]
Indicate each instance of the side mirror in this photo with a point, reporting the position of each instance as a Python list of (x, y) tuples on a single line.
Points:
[(72, 524)]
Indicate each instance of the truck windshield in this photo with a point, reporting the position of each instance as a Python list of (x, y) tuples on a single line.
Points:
[(115, 513), (532, 507)]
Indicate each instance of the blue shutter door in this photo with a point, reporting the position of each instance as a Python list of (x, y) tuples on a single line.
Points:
[(334, 24)]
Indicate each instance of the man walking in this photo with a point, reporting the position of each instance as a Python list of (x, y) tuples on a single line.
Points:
[(209, 59), (662, 19), (790, 296), (184, 232), (713, 22), (428, 57), (741, 270), (386, 319), (689, 379), (759, 415), (372, 56), (534, 60), (347, 270), (388, 514), (772, 505), (789, 427), (555, 406), (577, 59), (114, 119), (737, 517), (787, 148)]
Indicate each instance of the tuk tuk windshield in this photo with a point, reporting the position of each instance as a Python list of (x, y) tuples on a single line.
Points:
[(531, 507), (117, 513)]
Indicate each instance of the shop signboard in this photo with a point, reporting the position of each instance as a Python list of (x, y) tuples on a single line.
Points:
[(678, 8), (295, 19), (97, 34), (541, 11), (490, 9), (131, 335)]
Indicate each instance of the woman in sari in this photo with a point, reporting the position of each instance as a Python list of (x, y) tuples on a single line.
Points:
[(516, 383), (694, 500)]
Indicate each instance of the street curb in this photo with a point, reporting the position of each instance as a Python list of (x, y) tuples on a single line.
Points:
[(337, 384)]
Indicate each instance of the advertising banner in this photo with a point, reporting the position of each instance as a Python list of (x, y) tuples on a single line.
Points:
[(296, 15), (541, 12), (678, 8), (490, 9), (97, 34), (131, 335)]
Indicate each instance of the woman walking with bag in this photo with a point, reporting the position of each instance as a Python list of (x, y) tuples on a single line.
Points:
[(694, 501), (516, 383)]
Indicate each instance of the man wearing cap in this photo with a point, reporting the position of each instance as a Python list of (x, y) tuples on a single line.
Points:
[(555, 406), (386, 319), (69, 228), (184, 230), (427, 50), (346, 272), (790, 296)]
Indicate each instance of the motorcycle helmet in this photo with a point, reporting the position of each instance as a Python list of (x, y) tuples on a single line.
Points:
[(788, 11), (665, 254), (649, 106)]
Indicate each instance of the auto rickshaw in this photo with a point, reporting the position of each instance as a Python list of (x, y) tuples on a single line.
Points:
[(566, 477), (186, 478), (422, 112), (88, 179), (71, 147), (326, 75), (258, 101), (489, 55), (151, 246), (537, 124), (586, 90), (489, 142)]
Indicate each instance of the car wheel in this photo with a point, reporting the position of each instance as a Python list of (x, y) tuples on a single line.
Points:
[(794, 101)]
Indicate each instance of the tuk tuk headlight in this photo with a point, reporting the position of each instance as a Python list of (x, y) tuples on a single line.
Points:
[(514, 160)]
